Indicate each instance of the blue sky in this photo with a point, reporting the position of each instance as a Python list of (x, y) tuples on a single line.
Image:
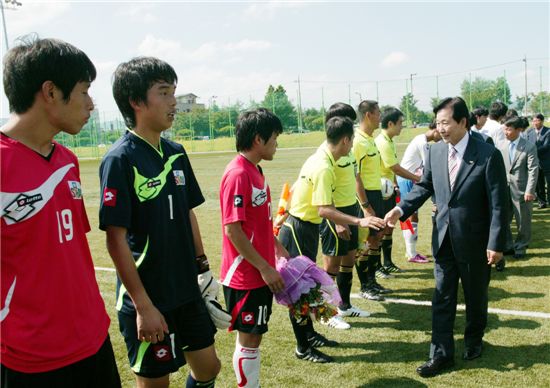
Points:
[(234, 50)]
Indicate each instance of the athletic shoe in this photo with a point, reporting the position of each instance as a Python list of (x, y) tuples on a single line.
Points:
[(313, 355), (336, 322), (318, 340), (383, 274), (392, 268), (371, 293), (353, 312), (381, 289), (418, 259)]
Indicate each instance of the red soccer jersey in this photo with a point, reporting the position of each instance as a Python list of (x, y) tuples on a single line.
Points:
[(52, 312), (245, 197)]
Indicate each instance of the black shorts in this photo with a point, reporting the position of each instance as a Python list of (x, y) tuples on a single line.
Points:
[(98, 370), (331, 244), (300, 238), (190, 328), (388, 204), (250, 309), (377, 203)]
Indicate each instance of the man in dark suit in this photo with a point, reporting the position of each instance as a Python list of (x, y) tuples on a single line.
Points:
[(468, 179), (542, 141)]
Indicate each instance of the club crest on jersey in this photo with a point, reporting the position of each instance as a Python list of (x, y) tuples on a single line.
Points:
[(76, 189), (162, 352), (238, 201), (179, 177), (149, 188), (109, 197), (21, 206), (247, 317), (259, 196)]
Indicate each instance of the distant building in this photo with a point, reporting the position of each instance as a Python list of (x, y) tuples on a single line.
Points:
[(188, 102)]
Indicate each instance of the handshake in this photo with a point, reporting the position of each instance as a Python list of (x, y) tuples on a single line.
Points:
[(209, 288)]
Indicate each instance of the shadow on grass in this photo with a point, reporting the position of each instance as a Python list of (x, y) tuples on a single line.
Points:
[(523, 271), (393, 382)]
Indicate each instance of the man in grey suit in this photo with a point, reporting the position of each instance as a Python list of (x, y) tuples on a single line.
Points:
[(468, 179), (522, 167)]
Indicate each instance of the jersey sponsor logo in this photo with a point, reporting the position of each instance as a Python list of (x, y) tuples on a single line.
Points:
[(237, 201), (179, 177), (109, 197), (248, 318), (76, 189), (259, 196), (17, 207), (162, 353)]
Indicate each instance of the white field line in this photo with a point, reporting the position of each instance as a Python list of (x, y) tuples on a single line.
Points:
[(530, 314)]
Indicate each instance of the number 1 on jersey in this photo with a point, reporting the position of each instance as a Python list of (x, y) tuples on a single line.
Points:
[(65, 225)]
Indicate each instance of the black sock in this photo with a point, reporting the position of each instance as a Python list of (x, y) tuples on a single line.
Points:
[(361, 266), (300, 332), (344, 280), (387, 243), (373, 264), (192, 383), (332, 275)]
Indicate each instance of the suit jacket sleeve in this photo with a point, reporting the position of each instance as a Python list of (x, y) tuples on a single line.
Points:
[(497, 192), (420, 192), (532, 170)]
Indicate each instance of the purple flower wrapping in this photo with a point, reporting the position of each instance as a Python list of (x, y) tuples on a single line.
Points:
[(301, 275)]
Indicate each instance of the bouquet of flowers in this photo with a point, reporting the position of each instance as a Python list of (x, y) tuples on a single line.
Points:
[(309, 291)]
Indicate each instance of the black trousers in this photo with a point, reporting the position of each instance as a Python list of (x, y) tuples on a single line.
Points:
[(543, 187), (474, 276)]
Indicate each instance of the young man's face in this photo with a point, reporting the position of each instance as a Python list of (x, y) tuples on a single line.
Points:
[(346, 144), (537, 123), (450, 131), (159, 112), (511, 133), (481, 120), (268, 148), (72, 115), (394, 129), (374, 118)]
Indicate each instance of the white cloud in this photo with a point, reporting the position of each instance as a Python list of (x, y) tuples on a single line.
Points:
[(395, 58), (270, 8), (32, 16), (248, 45), (139, 13)]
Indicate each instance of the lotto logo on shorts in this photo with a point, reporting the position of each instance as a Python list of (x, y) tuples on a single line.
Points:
[(162, 352), (109, 197), (247, 318)]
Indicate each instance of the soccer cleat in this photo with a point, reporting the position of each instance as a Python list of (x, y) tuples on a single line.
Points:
[(318, 340), (418, 259), (381, 289), (383, 274), (336, 322), (313, 355), (353, 312), (392, 268), (371, 293)]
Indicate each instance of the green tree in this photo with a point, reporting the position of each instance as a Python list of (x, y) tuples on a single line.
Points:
[(409, 109), (483, 92), (277, 100), (540, 104)]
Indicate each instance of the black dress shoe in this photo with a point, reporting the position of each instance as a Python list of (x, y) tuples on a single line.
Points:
[(542, 205), (519, 256), (434, 366), (508, 252), (472, 352), (500, 265)]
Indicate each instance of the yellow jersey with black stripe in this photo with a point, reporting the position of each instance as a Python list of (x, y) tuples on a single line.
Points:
[(314, 187), (344, 187), (388, 155), (368, 160)]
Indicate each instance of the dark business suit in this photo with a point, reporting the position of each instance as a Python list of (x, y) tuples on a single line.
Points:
[(543, 152), (470, 219)]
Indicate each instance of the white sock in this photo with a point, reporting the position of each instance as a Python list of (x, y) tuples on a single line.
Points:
[(246, 364), (410, 245), (415, 236)]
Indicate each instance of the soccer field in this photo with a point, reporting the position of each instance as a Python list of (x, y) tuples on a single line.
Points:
[(384, 349)]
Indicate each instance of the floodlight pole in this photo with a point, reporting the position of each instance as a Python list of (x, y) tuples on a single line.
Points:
[(4, 25), (525, 104), (360, 97)]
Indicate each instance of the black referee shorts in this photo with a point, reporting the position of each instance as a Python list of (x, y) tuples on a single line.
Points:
[(300, 238), (377, 203), (331, 244)]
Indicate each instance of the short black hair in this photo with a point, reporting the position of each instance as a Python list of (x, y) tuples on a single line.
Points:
[(433, 124), (510, 113), (366, 106), (338, 127), (498, 110), (480, 111), (517, 122), (134, 78), (539, 116), (472, 120), (260, 122), (34, 61), (390, 115), (457, 105), (341, 109)]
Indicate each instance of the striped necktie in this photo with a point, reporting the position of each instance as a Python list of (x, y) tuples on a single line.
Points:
[(453, 167)]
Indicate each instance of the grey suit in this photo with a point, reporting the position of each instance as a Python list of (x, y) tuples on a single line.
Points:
[(522, 178), (470, 219)]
